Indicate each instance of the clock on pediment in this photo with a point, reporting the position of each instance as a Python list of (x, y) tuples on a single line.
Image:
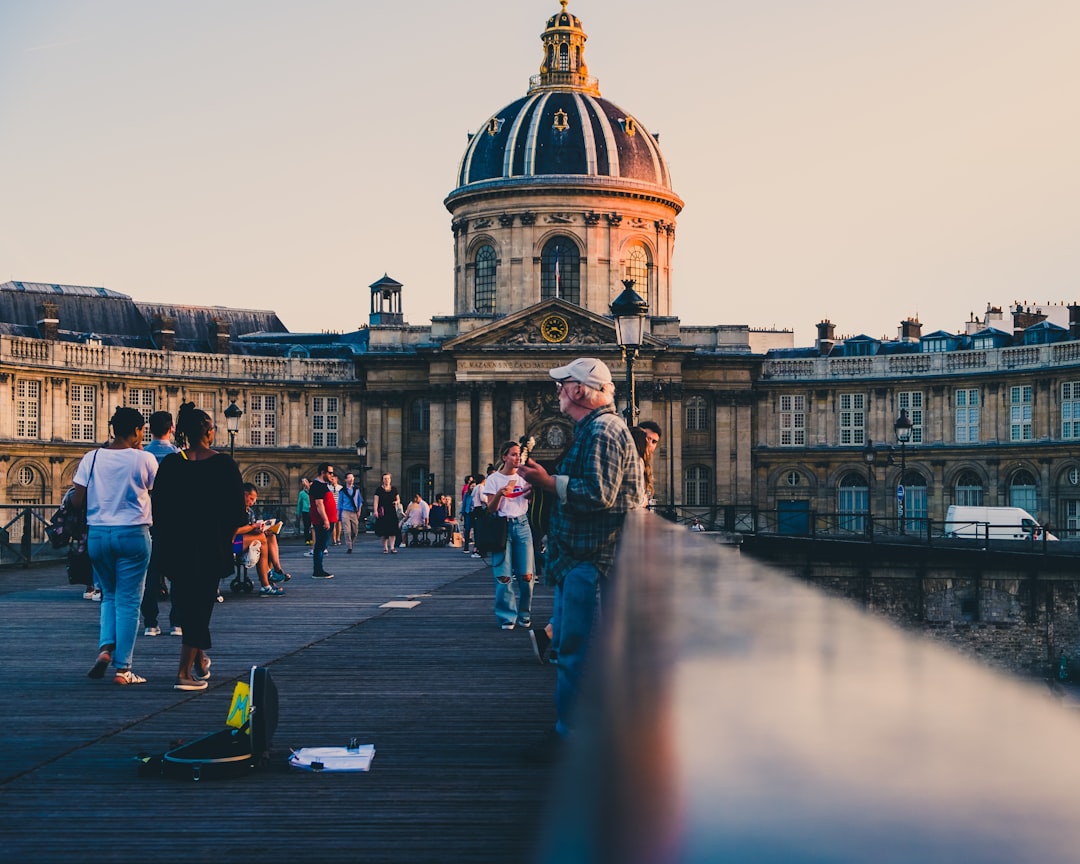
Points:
[(554, 328)]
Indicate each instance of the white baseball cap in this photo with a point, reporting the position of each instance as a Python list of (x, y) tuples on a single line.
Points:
[(585, 370)]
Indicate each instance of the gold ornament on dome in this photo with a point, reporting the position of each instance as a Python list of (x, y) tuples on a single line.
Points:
[(554, 328)]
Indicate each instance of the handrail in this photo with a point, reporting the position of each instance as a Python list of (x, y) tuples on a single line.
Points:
[(736, 714)]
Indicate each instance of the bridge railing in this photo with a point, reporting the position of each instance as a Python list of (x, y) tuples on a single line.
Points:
[(22, 534), (735, 714)]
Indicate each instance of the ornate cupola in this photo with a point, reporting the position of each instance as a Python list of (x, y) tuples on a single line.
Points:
[(564, 66)]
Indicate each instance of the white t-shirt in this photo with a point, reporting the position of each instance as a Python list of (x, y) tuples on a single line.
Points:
[(118, 494), (513, 503)]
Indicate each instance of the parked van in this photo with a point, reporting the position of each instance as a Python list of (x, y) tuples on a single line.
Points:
[(996, 523)]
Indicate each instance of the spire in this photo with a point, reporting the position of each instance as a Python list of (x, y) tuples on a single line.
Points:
[(563, 66)]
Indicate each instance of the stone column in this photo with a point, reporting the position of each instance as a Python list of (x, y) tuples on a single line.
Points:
[(487, 428), (376, 458), (517, 412), (437, 456), (463, 434), (392, 440)]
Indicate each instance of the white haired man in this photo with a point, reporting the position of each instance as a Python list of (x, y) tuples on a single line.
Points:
[(595, 484)]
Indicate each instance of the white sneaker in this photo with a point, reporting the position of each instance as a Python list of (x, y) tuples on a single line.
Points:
[(96, 596), (152, 631), (176, 631)]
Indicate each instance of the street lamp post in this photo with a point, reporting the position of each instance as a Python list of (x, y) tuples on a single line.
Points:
[(903, 435), (361, 452), (232, 423), (869, 455), (629, 310)]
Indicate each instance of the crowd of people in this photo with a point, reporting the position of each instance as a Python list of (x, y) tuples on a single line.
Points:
[(169, 519)]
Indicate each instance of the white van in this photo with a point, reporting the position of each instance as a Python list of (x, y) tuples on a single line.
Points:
[(996, 523)]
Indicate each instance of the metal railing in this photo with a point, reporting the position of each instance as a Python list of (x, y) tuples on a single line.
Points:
[(23, 540)]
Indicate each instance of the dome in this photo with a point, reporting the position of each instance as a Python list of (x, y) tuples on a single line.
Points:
[(562, 131), (553, 133)]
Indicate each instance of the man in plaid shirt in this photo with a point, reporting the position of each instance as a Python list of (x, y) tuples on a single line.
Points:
[(596, 483)]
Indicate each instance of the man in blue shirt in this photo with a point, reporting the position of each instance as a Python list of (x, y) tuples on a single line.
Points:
[(161, 431), (349, 503)]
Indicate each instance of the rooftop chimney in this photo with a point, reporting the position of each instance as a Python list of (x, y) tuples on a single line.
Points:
[(826, 337), (219, 336), (910, 330), (48, 322), (163, 332)]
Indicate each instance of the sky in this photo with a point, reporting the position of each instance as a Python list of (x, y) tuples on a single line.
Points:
[(862, 161)]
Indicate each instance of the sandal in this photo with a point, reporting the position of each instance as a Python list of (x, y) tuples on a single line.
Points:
[(126, 676), (100, 665)]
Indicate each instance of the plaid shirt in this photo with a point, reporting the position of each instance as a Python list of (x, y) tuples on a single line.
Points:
[(605, 481)]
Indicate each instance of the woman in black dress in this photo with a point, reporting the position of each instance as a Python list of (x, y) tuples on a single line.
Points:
[(387, 525), (198, 505)]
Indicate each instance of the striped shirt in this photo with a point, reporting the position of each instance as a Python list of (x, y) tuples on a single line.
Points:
[(599, 480)]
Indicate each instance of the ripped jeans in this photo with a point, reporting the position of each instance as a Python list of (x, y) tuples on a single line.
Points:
[(513, 593)]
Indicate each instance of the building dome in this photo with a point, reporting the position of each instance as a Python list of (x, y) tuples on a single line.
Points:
[(562, 128), (561, 195)]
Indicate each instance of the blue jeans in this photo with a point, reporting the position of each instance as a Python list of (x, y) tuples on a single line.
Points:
[(513, 593), (319, 548), (578, 602), (120, 556)]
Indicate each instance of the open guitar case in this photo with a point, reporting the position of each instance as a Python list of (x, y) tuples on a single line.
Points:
[(230, 752)]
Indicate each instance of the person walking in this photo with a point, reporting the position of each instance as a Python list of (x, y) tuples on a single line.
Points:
[(303, 509), (507, 494), (386, 502), (156, 588), (349, 503), (198, 505), (321, 518), (466, 512), (114, 484), (595, 484)]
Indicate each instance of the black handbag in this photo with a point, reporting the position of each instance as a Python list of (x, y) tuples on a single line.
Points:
[(80, 570), (489, 532)]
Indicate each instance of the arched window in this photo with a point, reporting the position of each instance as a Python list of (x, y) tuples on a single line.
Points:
[(564, 57), (419, 415), (968, 490), (915, 512), (560, 271), (637, 268), (697, 486), (262, 479), (484, 281), (697, 415), (1022, 492), (853, 502)]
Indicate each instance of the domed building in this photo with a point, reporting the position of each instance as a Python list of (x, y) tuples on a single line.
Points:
[(562, 194)]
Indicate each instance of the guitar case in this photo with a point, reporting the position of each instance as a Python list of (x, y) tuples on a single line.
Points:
[(233, 751)]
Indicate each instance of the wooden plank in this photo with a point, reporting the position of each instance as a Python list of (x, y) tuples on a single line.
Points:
[(450, 702)]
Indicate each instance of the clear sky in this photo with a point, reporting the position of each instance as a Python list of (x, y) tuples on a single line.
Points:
[(857, 160)]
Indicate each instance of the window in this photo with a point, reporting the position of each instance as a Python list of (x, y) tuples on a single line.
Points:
[(142, 400), (792, 421), (262, 479), (205, 401), (1020, 413), (262, 421), (637, 268), (793, 478), (967, 416), (82, 411), (913, 402), (484, 281), (697, 486), (560, 267), (27, 408), (915, 507), (419, 415), (415, 481), (852, 418), (1070, 410), (969, 491), (853, 503), (25, 476), (697, 417), (324, 421), (1022, 491)]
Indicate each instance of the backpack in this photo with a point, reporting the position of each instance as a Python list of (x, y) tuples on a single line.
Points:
[(68, 523)]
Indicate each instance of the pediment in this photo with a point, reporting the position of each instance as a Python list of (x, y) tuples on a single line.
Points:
[(542, 325)]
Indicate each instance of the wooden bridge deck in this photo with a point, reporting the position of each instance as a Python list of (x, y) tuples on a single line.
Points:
[(449, 701)]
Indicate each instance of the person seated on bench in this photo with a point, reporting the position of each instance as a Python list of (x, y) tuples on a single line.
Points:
[(416, 521), (257, 531), (439, 520)]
